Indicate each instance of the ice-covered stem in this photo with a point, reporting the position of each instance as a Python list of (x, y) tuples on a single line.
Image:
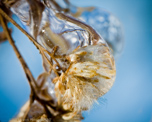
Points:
[(39, 47), (95, 36)]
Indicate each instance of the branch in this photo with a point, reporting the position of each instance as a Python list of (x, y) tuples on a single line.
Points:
[(19, 27), (28, 73), (39, 47), (33, 85)]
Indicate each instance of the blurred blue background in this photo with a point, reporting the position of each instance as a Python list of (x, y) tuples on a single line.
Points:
[(129, 100)]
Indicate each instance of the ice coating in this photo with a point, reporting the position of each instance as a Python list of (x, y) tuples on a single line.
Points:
[(72, 35), (48, 29), (44, 82), (108, 26), (104, 22)]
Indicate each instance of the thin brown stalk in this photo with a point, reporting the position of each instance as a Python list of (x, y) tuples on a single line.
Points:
[(19, 27), (31, 80), (28, 73), (41, 50), (52, 56), (39, 47)]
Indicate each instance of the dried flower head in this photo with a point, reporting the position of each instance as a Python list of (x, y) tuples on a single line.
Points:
[(90, 75)]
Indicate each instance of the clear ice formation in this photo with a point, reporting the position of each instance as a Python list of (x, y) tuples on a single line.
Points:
[(108, 26), (44, 24)]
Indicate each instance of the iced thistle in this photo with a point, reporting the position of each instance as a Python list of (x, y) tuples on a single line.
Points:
[(79, 66)]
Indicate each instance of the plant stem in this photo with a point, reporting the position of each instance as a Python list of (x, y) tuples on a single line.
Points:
[(28, 73), (19, 27), (39, 47)]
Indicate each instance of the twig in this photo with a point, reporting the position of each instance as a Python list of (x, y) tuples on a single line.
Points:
[(31, 80), (41, 50), (52, 55), (28, 73), (19, 27), (39, 47)]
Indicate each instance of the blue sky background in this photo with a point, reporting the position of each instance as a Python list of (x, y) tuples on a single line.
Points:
[(129, 100)]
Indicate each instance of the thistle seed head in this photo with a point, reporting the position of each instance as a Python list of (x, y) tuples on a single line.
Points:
[(90, 75)]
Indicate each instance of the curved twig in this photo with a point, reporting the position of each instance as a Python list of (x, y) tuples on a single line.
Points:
[(86, 27)]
